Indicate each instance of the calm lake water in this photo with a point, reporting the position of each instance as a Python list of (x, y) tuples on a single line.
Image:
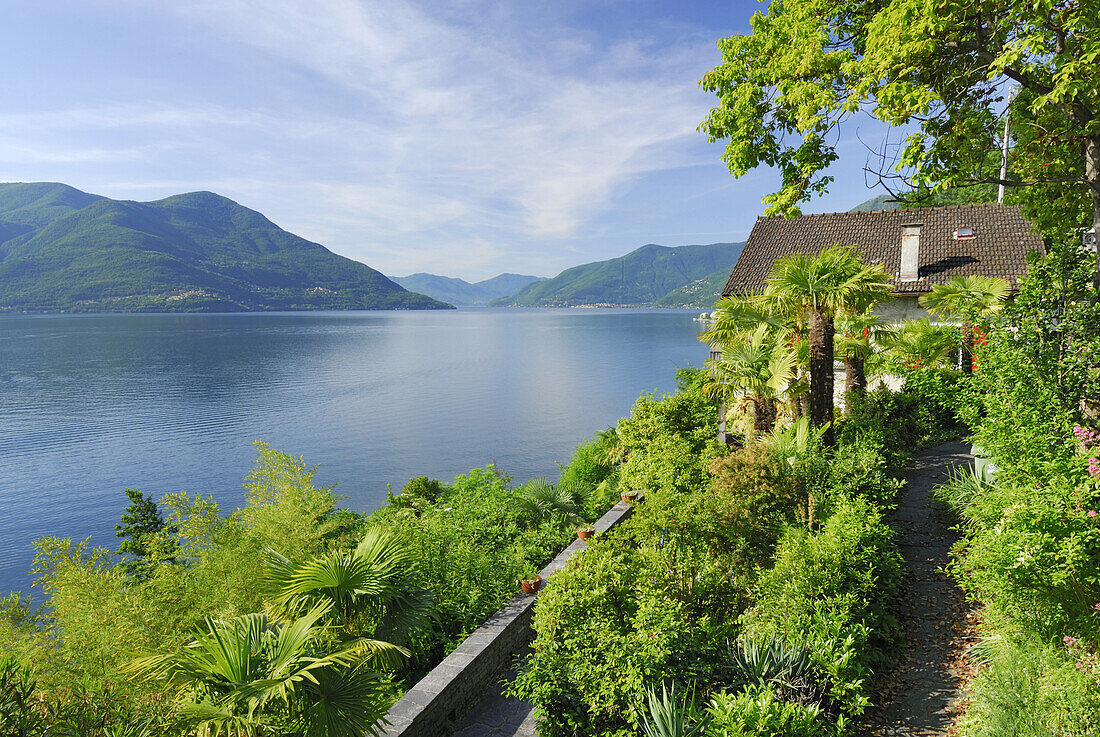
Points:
[(92, 404)]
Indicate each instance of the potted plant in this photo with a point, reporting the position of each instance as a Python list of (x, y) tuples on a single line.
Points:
[(629, 496), (531, 581), (585, 531)]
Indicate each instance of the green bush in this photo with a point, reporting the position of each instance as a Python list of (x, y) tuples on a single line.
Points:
[(829, 593), (758, 712), (616, 620), (1028, 689), (736, 518), (669, 442), (1032, 556), (859, 466), (903, 422)]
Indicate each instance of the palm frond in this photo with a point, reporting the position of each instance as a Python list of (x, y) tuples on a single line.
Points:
[(540, 502), (920, 343), (968, 296), (348, 702)]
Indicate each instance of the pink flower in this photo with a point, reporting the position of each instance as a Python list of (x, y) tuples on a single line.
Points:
[(1096, 606), (1094, 513), (1069, 640), (1079, 664)]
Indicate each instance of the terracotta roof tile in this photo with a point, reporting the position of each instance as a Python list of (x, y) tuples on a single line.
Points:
[(1002, 239)]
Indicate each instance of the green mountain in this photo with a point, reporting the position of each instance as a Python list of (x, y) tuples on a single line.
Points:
[(881, 202), (701, 293), (642, 277), (66, 250), (461, 292)]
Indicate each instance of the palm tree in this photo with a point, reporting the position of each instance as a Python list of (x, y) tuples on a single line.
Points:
[(761, 364), (370, 583), (920, 343), (737, 316), (814, 289), (967, 298), (250, 677), (541, 502), (855, 342)]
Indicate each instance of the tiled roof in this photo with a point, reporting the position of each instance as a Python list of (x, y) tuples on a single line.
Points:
[(1002, 239)]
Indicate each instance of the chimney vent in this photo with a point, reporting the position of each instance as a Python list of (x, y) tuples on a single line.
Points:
[(910, 250)]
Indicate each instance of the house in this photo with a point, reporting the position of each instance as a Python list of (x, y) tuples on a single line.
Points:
[(918, 248)]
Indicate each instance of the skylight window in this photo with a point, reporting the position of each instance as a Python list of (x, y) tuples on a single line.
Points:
[(964, 234)]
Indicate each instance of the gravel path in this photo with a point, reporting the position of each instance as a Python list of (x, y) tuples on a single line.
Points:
[(918, 697)]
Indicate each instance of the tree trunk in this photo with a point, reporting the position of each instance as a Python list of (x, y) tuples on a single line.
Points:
[(773, 412), (855, 379), (763, 418), (967, 329), (756, 411), (821, 373)]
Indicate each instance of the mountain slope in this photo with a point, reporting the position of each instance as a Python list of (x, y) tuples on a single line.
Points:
[(462, 292), (880, 202), (641, 277), (701, 293), (505, 285), (62, 249)]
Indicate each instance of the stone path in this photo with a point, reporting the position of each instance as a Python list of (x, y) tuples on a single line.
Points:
[(498, 716), (918, 697)]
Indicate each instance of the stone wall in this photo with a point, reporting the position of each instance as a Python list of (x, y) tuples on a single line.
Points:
[(461, 680)]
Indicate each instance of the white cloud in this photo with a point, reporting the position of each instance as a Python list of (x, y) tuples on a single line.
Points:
[(388, 129), (479, 109)]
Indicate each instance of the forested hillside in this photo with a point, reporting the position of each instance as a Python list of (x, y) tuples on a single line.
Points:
[(642, 277), (66, 250)]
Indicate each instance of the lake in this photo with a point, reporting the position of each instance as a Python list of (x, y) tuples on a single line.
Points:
[(92, 404)]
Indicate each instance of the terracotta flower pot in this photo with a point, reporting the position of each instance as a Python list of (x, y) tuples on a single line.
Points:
[(585, 534), (629, 496), (531, 587)]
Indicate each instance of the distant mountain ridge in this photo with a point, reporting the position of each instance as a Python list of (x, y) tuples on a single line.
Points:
[(462, 292), (66, 250), (642, 277), (880, 202)]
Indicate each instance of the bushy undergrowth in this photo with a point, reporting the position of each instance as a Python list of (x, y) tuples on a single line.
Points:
[(66, 662), (828, 592), (1029, 688), (780, 541), (1030, 552)]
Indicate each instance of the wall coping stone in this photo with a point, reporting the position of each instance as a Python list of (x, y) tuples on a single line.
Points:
[(460, 680)]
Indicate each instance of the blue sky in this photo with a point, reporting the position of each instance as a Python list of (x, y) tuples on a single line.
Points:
[(461, 138)]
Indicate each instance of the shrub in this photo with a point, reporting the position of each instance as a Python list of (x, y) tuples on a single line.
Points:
[(758, 712), (666, 439), (1027, 689), (902, 422), (588, 467), (1032, 555), (828, 593), (617, 620)]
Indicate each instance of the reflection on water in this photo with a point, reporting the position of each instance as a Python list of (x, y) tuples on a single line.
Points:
[(92, 404)]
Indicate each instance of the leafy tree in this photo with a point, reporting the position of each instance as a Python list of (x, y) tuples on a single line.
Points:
[(970, 298), (939, 68), (815, 289), (139, 527)]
